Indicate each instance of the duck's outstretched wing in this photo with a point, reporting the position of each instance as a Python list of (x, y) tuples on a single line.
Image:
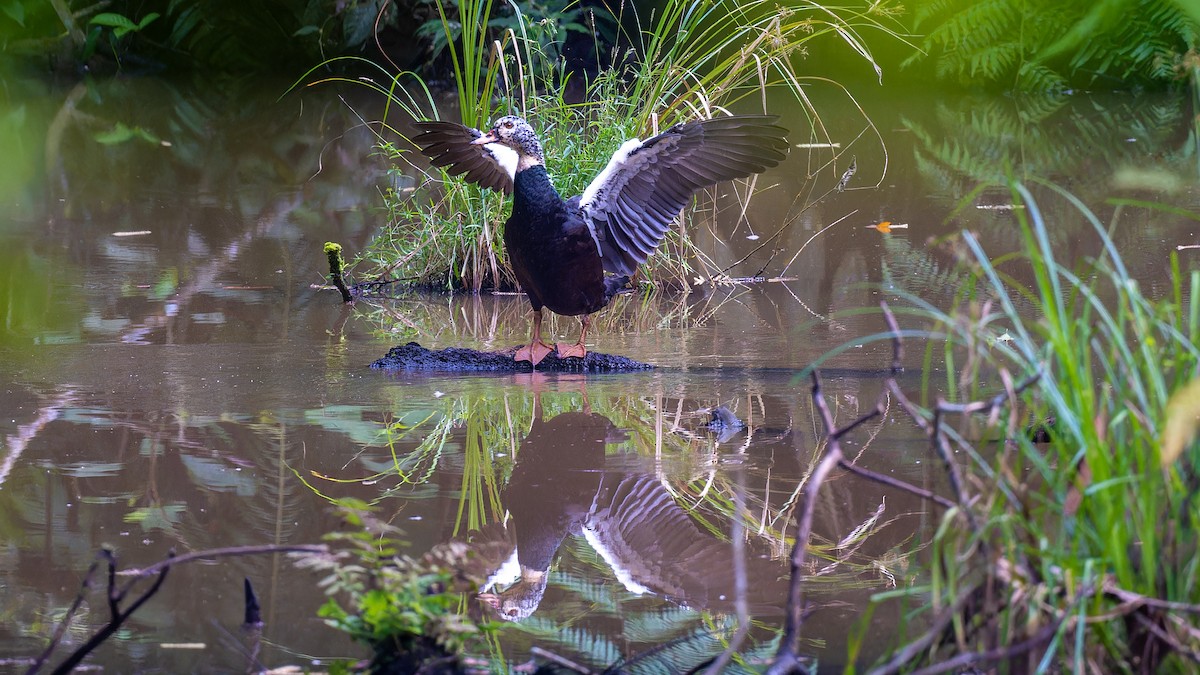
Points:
[(647, 183), (448, 145)]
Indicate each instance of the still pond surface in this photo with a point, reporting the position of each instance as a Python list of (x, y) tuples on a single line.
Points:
[(170, 379)]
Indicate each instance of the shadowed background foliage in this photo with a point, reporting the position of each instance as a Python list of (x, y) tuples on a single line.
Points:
[(1038, 46)]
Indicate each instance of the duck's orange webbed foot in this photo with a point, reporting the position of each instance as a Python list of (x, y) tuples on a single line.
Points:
[(568, 351), (576, 350), (534, 353)]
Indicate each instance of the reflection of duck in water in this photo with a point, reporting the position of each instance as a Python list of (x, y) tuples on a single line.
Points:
[(652, 544), (549, 495)]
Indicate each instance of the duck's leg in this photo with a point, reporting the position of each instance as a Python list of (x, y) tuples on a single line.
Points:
[(576, 350), (537, 350)]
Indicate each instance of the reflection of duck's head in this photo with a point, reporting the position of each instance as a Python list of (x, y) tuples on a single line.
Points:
[(519, 600)]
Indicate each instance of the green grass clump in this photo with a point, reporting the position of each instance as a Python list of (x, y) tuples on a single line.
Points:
[(692, 60), (1080, 544)]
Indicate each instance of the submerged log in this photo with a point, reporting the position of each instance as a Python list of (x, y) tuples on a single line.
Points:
[(413, 356)]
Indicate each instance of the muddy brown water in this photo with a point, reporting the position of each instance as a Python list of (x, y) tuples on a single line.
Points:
[(170, 380)]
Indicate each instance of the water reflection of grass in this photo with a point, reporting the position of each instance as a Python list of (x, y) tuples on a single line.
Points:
[(486, 320), (669, 474)]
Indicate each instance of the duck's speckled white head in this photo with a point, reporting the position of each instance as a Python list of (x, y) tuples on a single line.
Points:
[(514, 132)]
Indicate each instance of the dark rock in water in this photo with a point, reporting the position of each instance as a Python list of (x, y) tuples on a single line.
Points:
[(723, 418), (724, 423), (413, 356)]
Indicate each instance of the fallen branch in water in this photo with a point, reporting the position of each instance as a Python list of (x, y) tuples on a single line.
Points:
[(230, 552), (337, 267)]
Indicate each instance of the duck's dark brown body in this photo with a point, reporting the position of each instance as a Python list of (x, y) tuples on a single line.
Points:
[(553, 254)]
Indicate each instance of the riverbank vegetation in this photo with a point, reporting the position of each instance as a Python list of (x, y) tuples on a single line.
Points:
[(1071, 543), (1065, 421)]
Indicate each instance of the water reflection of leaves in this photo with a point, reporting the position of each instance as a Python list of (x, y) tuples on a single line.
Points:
[(91, 469), (157, 517), (979, 139)]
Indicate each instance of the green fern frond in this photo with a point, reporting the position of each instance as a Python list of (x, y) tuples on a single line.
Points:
[(1034, 77), (1021, 45)]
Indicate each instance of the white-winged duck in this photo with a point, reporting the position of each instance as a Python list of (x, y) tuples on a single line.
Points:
[(561, 249)]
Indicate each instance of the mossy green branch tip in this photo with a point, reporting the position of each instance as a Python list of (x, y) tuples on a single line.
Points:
[(333, 251)]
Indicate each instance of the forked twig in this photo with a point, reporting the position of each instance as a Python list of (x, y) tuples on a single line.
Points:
[(114, 595), (118, 617), (66, 621), (787, 659)]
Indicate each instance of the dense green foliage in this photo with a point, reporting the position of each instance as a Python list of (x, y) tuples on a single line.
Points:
[(266, 36), (1006, 44), (1021, 45)]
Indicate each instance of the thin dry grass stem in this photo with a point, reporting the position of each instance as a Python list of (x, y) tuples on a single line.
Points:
[(896, 483), (996, 654), (910, 652), (560, 660), (741, 604), (1160, 633), (811, 238), (1137, 600)]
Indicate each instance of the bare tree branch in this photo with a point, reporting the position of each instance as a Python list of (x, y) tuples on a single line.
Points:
[(114, 595), (66, 622), (229, 552), (118, 616)]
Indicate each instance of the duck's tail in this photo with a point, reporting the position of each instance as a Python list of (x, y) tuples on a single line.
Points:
[(614, 284)]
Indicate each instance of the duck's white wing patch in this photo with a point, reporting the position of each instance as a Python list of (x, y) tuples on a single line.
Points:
[(448, 145), (603, 183), (646, 184), (622, 574)]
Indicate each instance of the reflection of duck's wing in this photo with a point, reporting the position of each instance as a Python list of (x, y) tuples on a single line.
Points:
[(653, 545)]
